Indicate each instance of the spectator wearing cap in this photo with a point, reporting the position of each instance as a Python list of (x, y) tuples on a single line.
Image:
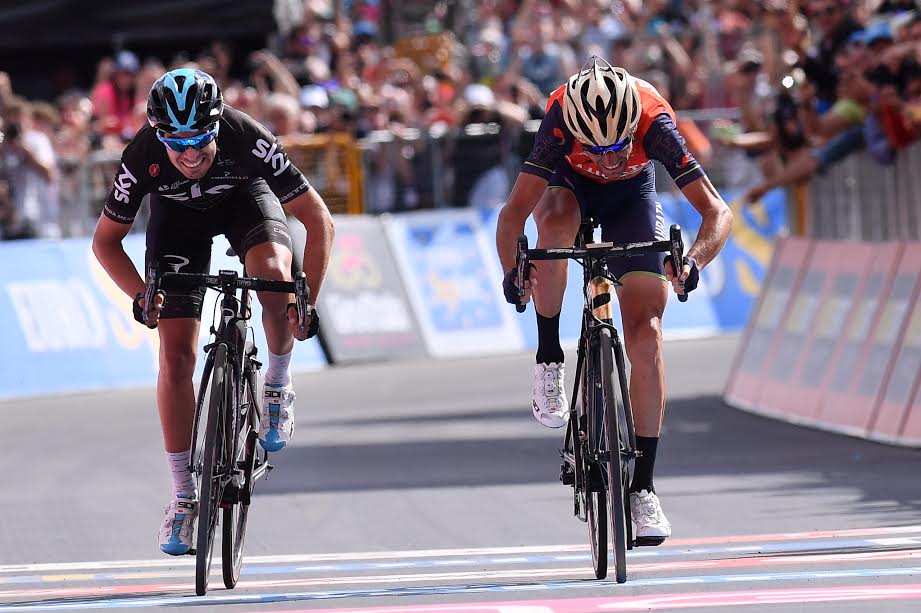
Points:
[(114, 98)]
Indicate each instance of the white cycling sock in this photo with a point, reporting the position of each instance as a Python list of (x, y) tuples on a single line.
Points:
[(183, 484), (279, 370)]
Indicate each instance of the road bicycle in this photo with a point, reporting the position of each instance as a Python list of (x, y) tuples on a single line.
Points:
[(597, 468), (226, 458)]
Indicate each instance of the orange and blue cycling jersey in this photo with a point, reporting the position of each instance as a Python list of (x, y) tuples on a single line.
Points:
[(656, 138)]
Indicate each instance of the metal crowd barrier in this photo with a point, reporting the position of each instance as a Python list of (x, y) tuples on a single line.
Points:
[(861, 199)]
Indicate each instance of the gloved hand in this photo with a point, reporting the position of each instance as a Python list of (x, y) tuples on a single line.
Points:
[(312, 328), (511, 290), (691, 278), (138, 309)]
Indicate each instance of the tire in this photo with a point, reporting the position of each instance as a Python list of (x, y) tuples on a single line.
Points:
[(597, 506), (614, 406), (211, 486), (233, 528)]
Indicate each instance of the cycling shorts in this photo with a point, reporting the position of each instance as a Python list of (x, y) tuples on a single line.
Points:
[(179, 237), (628, 212)]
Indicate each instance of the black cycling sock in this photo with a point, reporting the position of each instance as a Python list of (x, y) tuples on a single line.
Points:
[(645, 463), (548, 339)]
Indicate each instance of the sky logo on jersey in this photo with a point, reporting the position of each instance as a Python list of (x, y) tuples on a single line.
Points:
[(196, 192), (268, 154), (123, 183)]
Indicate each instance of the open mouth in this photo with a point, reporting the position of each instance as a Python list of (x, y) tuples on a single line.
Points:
[(192, 165)]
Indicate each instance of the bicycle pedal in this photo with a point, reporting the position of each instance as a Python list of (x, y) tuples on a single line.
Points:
[(649, 541), (190, 552)]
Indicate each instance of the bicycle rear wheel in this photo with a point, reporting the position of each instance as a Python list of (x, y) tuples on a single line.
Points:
[(211, 486), (233, 530), (613, 407)]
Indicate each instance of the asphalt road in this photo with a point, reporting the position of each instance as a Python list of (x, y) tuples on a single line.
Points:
[(428, 484)]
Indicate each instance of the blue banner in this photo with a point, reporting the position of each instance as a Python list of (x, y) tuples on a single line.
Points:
[(65, 326), (453, 279)]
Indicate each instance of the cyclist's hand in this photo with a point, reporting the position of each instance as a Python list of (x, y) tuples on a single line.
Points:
[(511, 290), (312, 327), (689, 277), (154, 315)]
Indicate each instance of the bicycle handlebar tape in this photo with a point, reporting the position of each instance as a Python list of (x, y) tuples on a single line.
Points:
[(677, 254), (150, 291), (301, 294), (521, 260)]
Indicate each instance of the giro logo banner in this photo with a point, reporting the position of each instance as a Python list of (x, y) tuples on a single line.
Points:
[(365, 310)]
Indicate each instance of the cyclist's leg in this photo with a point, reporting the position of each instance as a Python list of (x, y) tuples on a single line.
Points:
[(178, 240), (637, 216), (258, 232), (557, 216)]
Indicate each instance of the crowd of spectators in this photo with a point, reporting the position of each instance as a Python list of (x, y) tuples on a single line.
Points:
[(812, 80)]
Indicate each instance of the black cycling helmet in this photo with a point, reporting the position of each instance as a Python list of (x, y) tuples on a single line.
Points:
[(184, 100)]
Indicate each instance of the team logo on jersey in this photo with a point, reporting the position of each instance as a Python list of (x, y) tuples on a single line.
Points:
[(196, 192), (269, 154), (154, 170), (123, 183)]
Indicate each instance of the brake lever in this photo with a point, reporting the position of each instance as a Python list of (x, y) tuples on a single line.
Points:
[(678, 255), (521, 261)]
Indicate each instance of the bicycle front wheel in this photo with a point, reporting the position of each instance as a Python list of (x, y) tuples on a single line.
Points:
[(613, 409), (211, 485), (233, 530)]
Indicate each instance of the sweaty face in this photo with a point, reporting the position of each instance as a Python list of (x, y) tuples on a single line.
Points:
[(192, 163)]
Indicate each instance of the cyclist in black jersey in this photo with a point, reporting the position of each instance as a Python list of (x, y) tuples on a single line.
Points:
[(210, 169)]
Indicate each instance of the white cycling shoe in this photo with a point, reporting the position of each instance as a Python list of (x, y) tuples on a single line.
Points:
[(277, 424), (652, 528), (549, 396), (176, 529)]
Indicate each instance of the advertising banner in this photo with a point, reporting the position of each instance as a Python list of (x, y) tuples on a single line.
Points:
[(365, 311), (868, 344), (816, 318), (759, 344), (454, 282), (65, 326), (906, 367)]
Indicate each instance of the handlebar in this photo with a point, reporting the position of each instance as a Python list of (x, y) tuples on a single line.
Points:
[(524, 256), (228, 281)]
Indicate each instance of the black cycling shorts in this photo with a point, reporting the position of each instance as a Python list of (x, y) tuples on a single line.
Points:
[(628, 212), (179, 237)]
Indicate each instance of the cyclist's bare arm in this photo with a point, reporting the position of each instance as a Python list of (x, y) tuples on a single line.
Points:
[(716, 221), (311, 211), (107, 246), (108, 249), (521, 202)]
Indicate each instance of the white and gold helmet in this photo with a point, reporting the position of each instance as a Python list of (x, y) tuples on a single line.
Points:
[(602, 105)]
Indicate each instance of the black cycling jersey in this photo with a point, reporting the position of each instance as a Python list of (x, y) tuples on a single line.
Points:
[(245, 151)]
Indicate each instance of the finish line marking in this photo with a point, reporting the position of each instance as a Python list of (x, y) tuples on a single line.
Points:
[(654, 603), (436, 553), (558, 573), (638, 603), (635, 557)]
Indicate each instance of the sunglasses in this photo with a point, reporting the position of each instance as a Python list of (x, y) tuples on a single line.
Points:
[(199, 141), (828, 11), (615, 148)]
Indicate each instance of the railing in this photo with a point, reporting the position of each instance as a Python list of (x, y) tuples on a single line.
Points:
[(860, 199)]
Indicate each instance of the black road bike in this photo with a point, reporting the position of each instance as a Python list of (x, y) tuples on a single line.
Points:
[(600, 443), (227, 459)]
